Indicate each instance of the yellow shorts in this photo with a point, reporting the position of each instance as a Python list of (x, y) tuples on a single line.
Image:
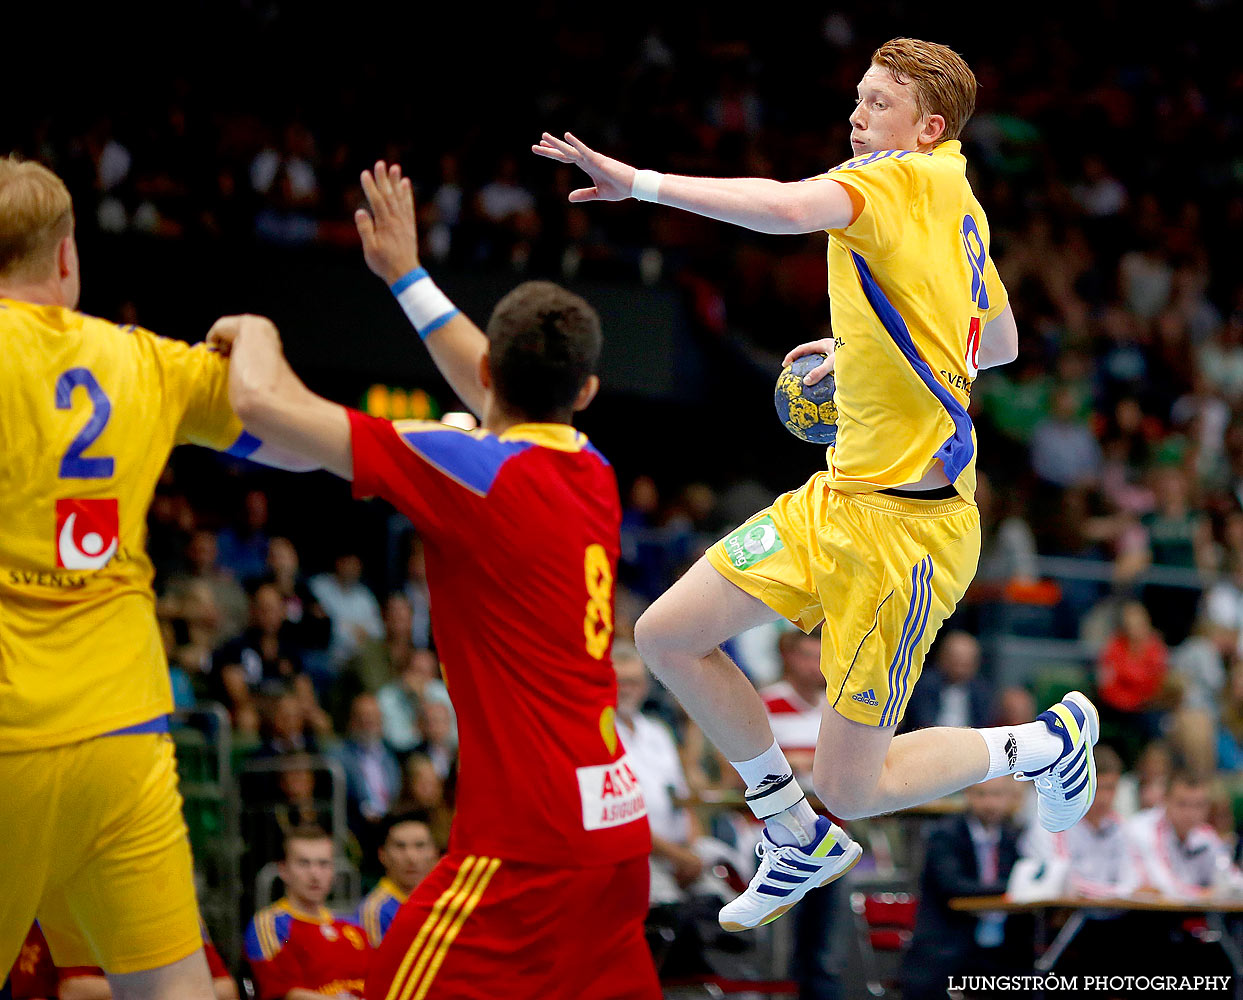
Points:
[(95, 846), (882, 572)]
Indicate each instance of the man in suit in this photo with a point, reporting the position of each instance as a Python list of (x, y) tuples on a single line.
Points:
[(968, 855), (954, 694), (372, 775)]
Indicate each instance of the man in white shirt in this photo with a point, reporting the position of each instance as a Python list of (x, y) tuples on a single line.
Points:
[(1175, 851), (1096, 849), (350, 605)]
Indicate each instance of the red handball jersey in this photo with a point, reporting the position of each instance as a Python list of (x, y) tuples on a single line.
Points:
[(521, 534), (34, 973), (288, 949)]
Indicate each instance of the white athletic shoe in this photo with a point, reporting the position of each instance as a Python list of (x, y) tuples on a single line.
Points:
[(1065, 789), (787, 874)]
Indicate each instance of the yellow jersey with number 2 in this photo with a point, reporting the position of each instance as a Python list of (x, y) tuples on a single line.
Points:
[(89, 412), (911, 284)]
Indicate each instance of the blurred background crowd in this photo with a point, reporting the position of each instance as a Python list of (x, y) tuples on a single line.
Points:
[(1111, 486)]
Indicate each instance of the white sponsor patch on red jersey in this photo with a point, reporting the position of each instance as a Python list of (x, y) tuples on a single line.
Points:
[(611, 794)]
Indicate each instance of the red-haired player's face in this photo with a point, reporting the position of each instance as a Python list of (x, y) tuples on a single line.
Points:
[(885, 116)]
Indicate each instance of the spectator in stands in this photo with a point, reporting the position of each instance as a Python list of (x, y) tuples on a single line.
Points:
[(402, 698), (296, 947), (1174, 850), (244, 548), (377, 662), (1064, 451), (1179, 537), (292, 725), (262, 661), (309, 625), (372, 775), (423, 790), (350, 605), (1230, 728), (953, 693), (968, 855), (439, 743), (653, 754), (416, 593), (407, 853), (1015, 706), (287, 181), (1130, 675), (1095, 850), (203, 568)]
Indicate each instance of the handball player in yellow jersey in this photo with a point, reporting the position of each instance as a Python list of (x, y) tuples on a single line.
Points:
[(883, 543), (93, 840)]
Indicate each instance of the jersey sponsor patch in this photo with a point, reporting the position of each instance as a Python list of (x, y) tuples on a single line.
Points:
[(753, 542), (611, 795), (88, 533)]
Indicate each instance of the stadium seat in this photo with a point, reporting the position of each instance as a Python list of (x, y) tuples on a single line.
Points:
[(884, 925)]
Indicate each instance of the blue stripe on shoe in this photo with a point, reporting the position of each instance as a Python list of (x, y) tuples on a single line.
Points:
[(1077, 712), (1075, 768), (800, 866), (786, 877), (1057, 727), (1072, 792), (772, 890), (835, 851)]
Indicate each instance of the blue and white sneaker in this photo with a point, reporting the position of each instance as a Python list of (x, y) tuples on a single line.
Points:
[(787, 874), (1065, 789)]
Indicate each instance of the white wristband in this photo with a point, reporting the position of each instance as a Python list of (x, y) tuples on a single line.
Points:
[(646, 185), (425, 305)]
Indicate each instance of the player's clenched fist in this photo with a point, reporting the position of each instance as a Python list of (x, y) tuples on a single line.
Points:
[(826, 346), (390, 240), (225, 330)]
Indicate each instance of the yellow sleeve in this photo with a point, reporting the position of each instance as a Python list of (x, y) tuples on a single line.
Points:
[(998, 297), (196, 388), (882, 187)]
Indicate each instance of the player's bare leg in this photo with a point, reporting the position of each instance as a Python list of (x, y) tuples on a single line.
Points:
[(679, 639), (187, 979), (865, 771)]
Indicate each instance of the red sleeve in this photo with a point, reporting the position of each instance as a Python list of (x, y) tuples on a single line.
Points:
[(214, 962), (278, 975)]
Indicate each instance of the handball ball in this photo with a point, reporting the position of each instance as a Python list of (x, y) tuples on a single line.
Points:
[(808, 411)]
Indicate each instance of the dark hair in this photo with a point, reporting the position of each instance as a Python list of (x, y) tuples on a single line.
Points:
[(404, 816), (1107, 760), (544, 344), (307, 831), (1188, 779)]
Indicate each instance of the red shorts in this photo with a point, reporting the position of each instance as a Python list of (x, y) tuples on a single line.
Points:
[(484, 928)]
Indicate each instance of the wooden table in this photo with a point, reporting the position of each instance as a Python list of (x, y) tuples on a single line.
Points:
[(1214, 910)]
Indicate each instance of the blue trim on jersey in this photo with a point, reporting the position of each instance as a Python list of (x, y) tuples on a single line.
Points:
[(958, 449), (387, 912), (475, 462), (254, 949), (599, 454), (245, 445), (408, 279), (156, 725)]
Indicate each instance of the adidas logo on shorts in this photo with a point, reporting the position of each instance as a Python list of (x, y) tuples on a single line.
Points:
[(867, 697)]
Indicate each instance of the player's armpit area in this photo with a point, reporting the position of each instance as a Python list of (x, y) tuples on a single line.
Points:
[(297, 425)]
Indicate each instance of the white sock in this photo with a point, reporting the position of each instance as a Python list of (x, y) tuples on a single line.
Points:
[(1029, 747), (783, 807)]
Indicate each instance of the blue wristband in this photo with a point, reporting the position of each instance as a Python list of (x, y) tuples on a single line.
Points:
[(408, 279)]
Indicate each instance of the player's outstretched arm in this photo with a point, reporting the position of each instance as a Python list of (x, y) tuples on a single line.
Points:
[(273, 403), (765, 206), (391, 249), (999, 340)]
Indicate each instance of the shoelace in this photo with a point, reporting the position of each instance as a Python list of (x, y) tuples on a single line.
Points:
[(777, 859)]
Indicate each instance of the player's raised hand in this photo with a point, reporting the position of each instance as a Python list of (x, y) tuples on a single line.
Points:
[(390, 240), (827, 346), (611, 179)]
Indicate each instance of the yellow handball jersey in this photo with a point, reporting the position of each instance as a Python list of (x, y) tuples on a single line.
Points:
[(911, 284), (89, 412)]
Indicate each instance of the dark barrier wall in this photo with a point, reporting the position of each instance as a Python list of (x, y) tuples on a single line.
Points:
[(672, 404)]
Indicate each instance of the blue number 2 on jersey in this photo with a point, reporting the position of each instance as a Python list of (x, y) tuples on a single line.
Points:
[(74, 465)]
